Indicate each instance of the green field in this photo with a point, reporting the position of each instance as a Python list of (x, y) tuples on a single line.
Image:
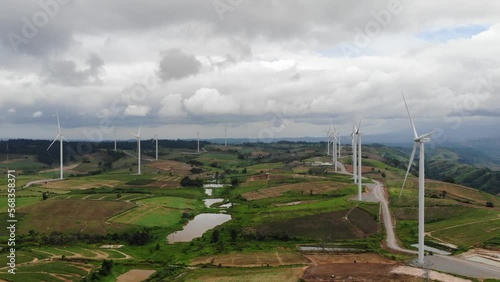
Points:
[(280, 202), (159, 211)]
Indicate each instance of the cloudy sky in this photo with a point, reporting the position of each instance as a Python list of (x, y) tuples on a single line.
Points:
[(282, 68)]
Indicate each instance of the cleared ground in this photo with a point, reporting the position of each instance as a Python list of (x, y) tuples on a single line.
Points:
[(78, 216), (304, 187), (260, 274), (253, 259), (344, 224)]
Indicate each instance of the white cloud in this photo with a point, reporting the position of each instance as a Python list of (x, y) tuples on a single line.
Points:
[(210, 101), (172, 106), (136, 110), (37, 114)]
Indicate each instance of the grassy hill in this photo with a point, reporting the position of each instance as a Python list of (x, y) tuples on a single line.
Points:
[(280, 201)]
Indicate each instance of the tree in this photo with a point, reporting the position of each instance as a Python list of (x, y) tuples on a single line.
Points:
[(106, 267), (383, 174), (215, 236), (490, 204), (235, 181), (443, 194), (45, 195)]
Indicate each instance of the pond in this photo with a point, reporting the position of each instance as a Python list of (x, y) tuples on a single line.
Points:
[(209, 202), (199, 225)]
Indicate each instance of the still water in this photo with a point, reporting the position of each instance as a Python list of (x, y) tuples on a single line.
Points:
[(196, 227)]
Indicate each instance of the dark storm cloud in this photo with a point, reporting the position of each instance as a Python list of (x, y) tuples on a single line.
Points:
[(175, 64), (67, 73)]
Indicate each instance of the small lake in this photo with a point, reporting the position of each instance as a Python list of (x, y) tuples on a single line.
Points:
[(209, 188), (196, 227), (209, 202)]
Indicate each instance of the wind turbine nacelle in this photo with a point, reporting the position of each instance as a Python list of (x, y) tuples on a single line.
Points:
[(423, 140)]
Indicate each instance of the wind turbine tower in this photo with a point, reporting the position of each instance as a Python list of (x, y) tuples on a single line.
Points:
[(138, 136), (419, 141), (61, 137), (155, 139), (114, 130), (359, 164), (354, 153), (198, 137), (225, 135)]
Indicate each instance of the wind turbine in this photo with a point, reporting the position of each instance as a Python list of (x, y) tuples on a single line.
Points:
[(418, 140), (114, 130), (334, 136), (225, 135), (155, 138), (338, 136), (198, 137), (327, 141), (61, 137), (354, 153), (359, 164), (138, 136)]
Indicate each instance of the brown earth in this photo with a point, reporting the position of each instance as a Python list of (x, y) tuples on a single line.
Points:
[(253, 259), (316, 187), (177, 168), (352, 267), (78, 216), (344, 224)]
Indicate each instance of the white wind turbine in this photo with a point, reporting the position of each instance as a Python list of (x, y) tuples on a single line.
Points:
[(61, 138), (418, 140), (354, 154), (340, 145), (198, 139), (328, 134), (138, 136), (114, 131), (155, 138), (225, 135), (334, 145), (359, 164)]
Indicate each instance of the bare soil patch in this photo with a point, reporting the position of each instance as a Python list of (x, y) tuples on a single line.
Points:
[(178, 168), (344, 224), (73, 216), (306, 187), (135, 275), (254, 259), (80, 185), (355, 272)]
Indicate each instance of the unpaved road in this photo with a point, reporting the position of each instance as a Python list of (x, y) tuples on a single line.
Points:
[(450, 264), (379, 193)]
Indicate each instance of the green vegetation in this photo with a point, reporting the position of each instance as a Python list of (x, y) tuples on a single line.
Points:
[(280, 200)]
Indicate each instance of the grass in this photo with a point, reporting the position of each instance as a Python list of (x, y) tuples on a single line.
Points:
[(42, 272), (20, 202), (159, 211), (285, 274), (71, 216)]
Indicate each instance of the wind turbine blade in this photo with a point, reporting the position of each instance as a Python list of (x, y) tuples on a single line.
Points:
[(139, 132), (359, 126), (411, 120), (409, 166), (64, 138), (58, 124), (55, 139), (426, 135)]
